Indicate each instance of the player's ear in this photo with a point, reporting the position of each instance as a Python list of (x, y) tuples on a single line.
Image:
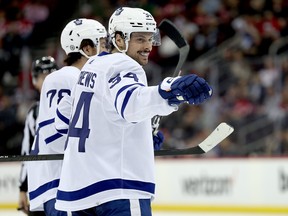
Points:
[(120, 42), (88, 50)]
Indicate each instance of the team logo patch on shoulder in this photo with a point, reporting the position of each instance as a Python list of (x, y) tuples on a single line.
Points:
[(78, 22)]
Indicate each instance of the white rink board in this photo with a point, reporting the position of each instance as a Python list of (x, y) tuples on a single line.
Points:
[(9, 182), (226, 185), (210, 186)]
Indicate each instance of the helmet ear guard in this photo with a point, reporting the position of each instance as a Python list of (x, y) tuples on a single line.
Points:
[(79, 29), (128, 20)]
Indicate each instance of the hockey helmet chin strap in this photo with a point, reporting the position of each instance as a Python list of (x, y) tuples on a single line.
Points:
[(84, 54), (97, 53), (126, 45)]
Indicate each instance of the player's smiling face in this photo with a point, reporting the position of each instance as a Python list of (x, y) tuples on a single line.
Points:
[(140, 46)]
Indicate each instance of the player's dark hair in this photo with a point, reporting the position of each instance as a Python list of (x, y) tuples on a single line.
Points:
[(111, 45), (75, 56)]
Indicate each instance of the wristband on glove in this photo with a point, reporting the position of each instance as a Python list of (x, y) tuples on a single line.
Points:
[(166, 92), (191, 89)]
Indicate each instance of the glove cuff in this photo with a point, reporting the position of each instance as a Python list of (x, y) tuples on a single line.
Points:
[(165, 87)]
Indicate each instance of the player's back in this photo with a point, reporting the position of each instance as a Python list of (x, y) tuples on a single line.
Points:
[(47, 140)]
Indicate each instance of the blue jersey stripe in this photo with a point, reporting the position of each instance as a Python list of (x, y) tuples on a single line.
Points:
[(42, 189), (47, 122), (121, 90), (126, 99), (104, 186), (63, 131), (52, 138), (104, 53), (62, 117)]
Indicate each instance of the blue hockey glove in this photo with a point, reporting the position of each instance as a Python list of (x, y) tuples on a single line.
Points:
[(158, 140), (191, 89)]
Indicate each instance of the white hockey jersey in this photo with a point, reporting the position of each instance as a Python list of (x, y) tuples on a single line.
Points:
[(109, 152), (43, 176)]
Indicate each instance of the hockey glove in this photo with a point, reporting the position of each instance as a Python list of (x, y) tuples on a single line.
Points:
[(191, 89), (158, 140)]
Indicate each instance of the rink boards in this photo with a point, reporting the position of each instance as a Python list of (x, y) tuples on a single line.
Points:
[(236, 185)]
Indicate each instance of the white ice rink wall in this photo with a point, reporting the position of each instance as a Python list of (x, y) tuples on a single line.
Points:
[(244, 186), (254, 185)]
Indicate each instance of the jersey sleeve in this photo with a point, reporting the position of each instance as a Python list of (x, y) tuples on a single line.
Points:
[(63, 115), (132, 98)]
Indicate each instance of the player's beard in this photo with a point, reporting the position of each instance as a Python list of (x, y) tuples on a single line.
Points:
[(142, 57)]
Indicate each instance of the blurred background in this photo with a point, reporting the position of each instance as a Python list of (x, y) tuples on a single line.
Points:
[(240, 47)]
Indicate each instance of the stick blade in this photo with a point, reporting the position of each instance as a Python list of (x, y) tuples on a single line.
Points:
[(222, 131), (172, 32)]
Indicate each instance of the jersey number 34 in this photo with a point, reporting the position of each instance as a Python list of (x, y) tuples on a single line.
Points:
[(83, 132)]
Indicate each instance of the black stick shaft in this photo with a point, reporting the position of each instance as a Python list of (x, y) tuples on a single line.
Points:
[(174, 152), (179, 40)]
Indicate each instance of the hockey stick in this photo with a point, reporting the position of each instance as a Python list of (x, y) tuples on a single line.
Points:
[(174, 34), (222, 131)]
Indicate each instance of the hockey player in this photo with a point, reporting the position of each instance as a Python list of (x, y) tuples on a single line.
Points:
[(80, 39), (108, 166), (40, 69)]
